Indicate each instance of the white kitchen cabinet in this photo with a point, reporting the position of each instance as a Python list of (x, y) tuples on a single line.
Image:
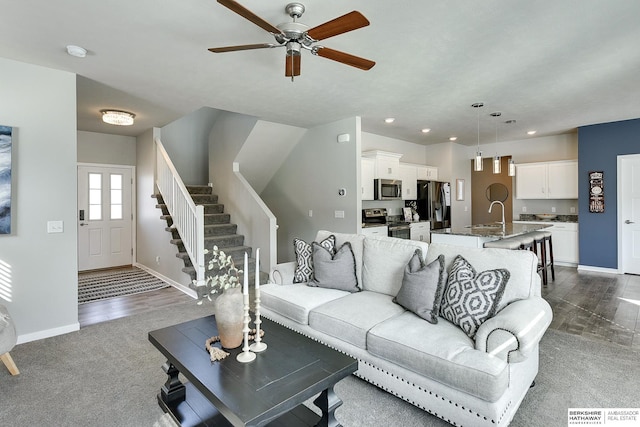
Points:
[(382, 230), (409, 178), (421, 231), (367, 174), (547, 180), (427, 173), (387, 165), (565, 241)]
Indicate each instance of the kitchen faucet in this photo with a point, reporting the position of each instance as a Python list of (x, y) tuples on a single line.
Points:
[(502, 205)]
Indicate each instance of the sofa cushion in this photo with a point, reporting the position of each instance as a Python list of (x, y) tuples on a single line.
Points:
[(522, 265), (384, 260), (356, 241), (470, 298), (441, 352), (334, 270), (349, 318), (304, 257), (296, 301), (421, 290)]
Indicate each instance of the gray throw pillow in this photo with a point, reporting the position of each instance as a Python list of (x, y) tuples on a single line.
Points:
[(304, 258), (471, 298), (421, 290), (334, 271)]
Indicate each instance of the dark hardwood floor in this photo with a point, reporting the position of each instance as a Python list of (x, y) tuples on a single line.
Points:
[(599, 306)]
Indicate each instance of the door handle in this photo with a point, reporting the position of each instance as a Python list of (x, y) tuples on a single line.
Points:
[(629, 222), (82, 224)]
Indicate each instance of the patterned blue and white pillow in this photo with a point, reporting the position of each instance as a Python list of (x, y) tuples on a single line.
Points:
[(304, 258), (470, 298)]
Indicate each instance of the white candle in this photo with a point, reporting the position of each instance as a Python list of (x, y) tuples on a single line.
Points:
[(257, 268), (245, 288)]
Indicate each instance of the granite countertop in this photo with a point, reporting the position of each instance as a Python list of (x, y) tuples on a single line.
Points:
[(492, 230), (559, 218)]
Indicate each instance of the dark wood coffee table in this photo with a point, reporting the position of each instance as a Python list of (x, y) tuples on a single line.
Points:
[(266, 392)]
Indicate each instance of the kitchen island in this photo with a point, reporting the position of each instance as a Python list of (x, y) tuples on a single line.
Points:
[(477, 235)]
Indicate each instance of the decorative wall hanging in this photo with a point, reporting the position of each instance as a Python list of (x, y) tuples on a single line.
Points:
[(596, 191), (5, 179)]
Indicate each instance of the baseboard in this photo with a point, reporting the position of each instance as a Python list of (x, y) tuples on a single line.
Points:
[(48, 333), (598, 269), (182, 288)]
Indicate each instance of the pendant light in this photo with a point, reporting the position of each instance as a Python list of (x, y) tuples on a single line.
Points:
[(497, 166), (512, 164), (477, 165)]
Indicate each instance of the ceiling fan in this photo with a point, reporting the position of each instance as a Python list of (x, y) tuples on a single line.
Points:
[(295, 36)]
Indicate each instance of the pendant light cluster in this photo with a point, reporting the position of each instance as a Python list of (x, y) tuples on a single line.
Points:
[(497, 160)]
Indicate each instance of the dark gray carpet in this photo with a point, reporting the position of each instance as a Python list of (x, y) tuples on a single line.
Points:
[(109, 374), (101, 285)]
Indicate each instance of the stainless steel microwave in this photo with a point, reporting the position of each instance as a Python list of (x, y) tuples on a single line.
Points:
[(387, 189)]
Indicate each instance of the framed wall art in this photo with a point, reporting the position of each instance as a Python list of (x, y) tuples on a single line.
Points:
[(596, 191), (6, 133)]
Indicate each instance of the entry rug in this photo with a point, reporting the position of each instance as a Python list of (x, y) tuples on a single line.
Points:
[(115, 283)]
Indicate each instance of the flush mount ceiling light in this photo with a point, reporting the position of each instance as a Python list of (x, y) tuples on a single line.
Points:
[(118, 118), (531, 132), (477, 164), (453, 138), (426, 130), (389, 120), (77, 51), (497, 166)]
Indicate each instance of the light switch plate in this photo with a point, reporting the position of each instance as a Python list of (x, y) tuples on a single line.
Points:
[(339, 214), (55, 226)]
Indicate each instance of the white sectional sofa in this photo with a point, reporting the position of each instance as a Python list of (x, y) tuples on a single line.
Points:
[(436, 367)]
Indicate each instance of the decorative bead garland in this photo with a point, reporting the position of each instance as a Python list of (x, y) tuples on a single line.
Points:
[(217, 353)]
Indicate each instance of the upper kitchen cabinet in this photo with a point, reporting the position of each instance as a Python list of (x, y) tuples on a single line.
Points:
[(387, 165), (409, 177), (427, 173), (367, 175), (547, 180)]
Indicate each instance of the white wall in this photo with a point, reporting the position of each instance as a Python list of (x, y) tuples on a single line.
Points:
[(186, 140), (104, 148), (42, 283), (310, 178)]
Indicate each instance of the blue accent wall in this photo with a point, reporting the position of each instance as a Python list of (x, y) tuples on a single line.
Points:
[(598, 149)]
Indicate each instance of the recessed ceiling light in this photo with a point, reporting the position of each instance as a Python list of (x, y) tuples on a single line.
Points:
[(389, 120), (453, 138), (77, 51), (531, 132), (118, 118), (426, 130)]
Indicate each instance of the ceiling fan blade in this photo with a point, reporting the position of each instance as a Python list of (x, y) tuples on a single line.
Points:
[(241, 47), (292, 66), (247, 14), (345, 23), (345, 58)]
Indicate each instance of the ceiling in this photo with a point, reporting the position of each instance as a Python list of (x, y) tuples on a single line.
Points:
[(550, 65)]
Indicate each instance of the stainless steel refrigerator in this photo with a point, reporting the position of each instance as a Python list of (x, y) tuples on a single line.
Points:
[(434, 203)]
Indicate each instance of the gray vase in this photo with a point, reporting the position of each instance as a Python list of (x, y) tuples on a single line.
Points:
[(229, 311)]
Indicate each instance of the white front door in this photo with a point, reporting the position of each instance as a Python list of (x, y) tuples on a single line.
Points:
[(629, 213), (104, 217)]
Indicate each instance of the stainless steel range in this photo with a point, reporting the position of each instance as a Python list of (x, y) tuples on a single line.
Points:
[(378, 216)]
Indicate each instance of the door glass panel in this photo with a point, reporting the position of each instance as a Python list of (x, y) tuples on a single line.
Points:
[(116, 196), (95, 196)]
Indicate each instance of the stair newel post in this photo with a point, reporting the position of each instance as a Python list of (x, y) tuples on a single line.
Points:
[(200, 243)]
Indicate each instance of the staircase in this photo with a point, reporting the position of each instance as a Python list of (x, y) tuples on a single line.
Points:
[(218, 231)]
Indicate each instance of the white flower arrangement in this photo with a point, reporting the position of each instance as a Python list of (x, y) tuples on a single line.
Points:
[(227, 277)]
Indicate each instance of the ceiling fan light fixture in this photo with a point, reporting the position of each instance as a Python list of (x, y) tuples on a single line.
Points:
[(117, 117)]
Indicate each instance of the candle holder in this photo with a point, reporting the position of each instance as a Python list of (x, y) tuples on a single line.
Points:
[(258, 345), (247, 355)]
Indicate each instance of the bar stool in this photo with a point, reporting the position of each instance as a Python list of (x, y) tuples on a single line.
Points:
[(512, 243), (526, 242), (543, 248)]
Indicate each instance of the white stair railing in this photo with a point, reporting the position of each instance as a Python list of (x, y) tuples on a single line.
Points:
[(188, 218)]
